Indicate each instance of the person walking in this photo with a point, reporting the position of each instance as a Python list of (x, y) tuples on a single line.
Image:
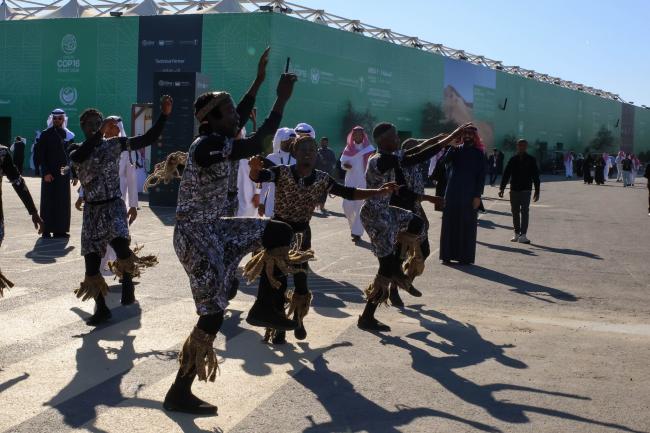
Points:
[(492, 166), (522, 173), (619, 166)]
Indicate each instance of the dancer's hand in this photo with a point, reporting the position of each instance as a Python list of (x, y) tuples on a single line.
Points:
[(79, 204), (285, 86), (256, 200), (132, 214), (166, 105), (38, 222), (536, 197), (261, 210), (48, 178), (256, 164), (501, 193), (261, 65), (388, 188)]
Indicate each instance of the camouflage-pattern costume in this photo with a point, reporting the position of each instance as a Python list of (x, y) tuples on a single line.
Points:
[(382, 221), (104, 214), (9, 169), (208, 244)]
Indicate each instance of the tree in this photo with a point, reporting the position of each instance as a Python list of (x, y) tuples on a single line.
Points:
[(603, 141), (509, 143), (352, 118), (434, 121)]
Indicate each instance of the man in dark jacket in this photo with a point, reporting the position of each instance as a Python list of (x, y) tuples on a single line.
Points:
[(18, 153), (326, 161), (523, 174)]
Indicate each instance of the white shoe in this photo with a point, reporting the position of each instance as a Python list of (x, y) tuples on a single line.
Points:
[(515, 238), (523, 239)]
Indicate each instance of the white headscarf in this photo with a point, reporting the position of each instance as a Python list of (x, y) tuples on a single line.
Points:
[(120, 125), (282, 134), (305, 128), (69, 135)]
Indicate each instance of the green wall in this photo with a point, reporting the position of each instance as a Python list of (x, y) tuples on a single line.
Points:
[(42, 68)]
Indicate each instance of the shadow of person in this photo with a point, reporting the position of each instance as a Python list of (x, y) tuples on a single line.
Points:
[(506, 249), (465, 347), (351, 411), (105, 351), (523, 287), (329, 296), (11, 382), (165, 214), (491, 225), (48, 250), (567, 251)]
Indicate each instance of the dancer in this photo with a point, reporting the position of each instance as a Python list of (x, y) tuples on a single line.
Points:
[(282, 142), (386, 225), (9, 169), (354, 161), (414, 177), (298, 190), (466, 180), (210, 245), (96, 162)]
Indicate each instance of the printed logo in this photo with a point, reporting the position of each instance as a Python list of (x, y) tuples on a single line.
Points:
[(146, 43), (68, 95), (69, 44)]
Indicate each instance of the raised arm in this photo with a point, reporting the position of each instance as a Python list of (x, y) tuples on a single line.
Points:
[(350, 193), (253, 145), (246, 105), (428, 148)]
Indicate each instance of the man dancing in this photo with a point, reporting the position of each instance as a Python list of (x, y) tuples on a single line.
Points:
[(298, 190), (96, 162), (210, 245), (385, 223), (9, 169)]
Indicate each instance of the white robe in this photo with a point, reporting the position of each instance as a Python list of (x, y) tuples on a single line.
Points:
[(608, 166), (355, 177), (246, 189), (568, 167), (267, 196)]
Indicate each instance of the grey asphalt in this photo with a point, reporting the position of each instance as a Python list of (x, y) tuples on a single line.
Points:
[(548, 337)]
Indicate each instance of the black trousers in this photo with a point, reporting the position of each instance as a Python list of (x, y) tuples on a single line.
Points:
[(519, 204)]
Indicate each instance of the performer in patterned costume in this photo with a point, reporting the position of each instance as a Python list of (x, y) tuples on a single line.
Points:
[(414, 177), (9, 169), (298, 190), (387, 224), (96, 162), (210, 245)]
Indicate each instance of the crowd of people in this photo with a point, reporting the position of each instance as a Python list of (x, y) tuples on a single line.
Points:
[(233, 201)]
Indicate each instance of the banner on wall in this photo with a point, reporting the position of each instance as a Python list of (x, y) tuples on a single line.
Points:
[(167, 44), (627, 128), (470, 96)]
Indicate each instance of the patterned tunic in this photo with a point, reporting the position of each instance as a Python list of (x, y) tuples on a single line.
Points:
[(104, 215), (209, 244), (415, 181), (382, 221)]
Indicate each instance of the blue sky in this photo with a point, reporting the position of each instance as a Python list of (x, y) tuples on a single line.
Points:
[(599, 43)]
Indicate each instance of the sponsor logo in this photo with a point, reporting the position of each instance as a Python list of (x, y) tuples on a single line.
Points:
[(147, 43), (314, 75), (68, 95), (69, 44), (165, 43), (163, 83)]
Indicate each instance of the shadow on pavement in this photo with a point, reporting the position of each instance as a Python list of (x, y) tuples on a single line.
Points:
[(352, 412), (11, 382), (166, 214), (466, 347), (507, 249), (517, 285), (48, 250), (491, 225), (568, 251)]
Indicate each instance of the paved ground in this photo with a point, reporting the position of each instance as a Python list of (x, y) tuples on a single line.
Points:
[(550, 337)]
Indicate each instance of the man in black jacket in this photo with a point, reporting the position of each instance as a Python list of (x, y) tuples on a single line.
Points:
[(522, 168)]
